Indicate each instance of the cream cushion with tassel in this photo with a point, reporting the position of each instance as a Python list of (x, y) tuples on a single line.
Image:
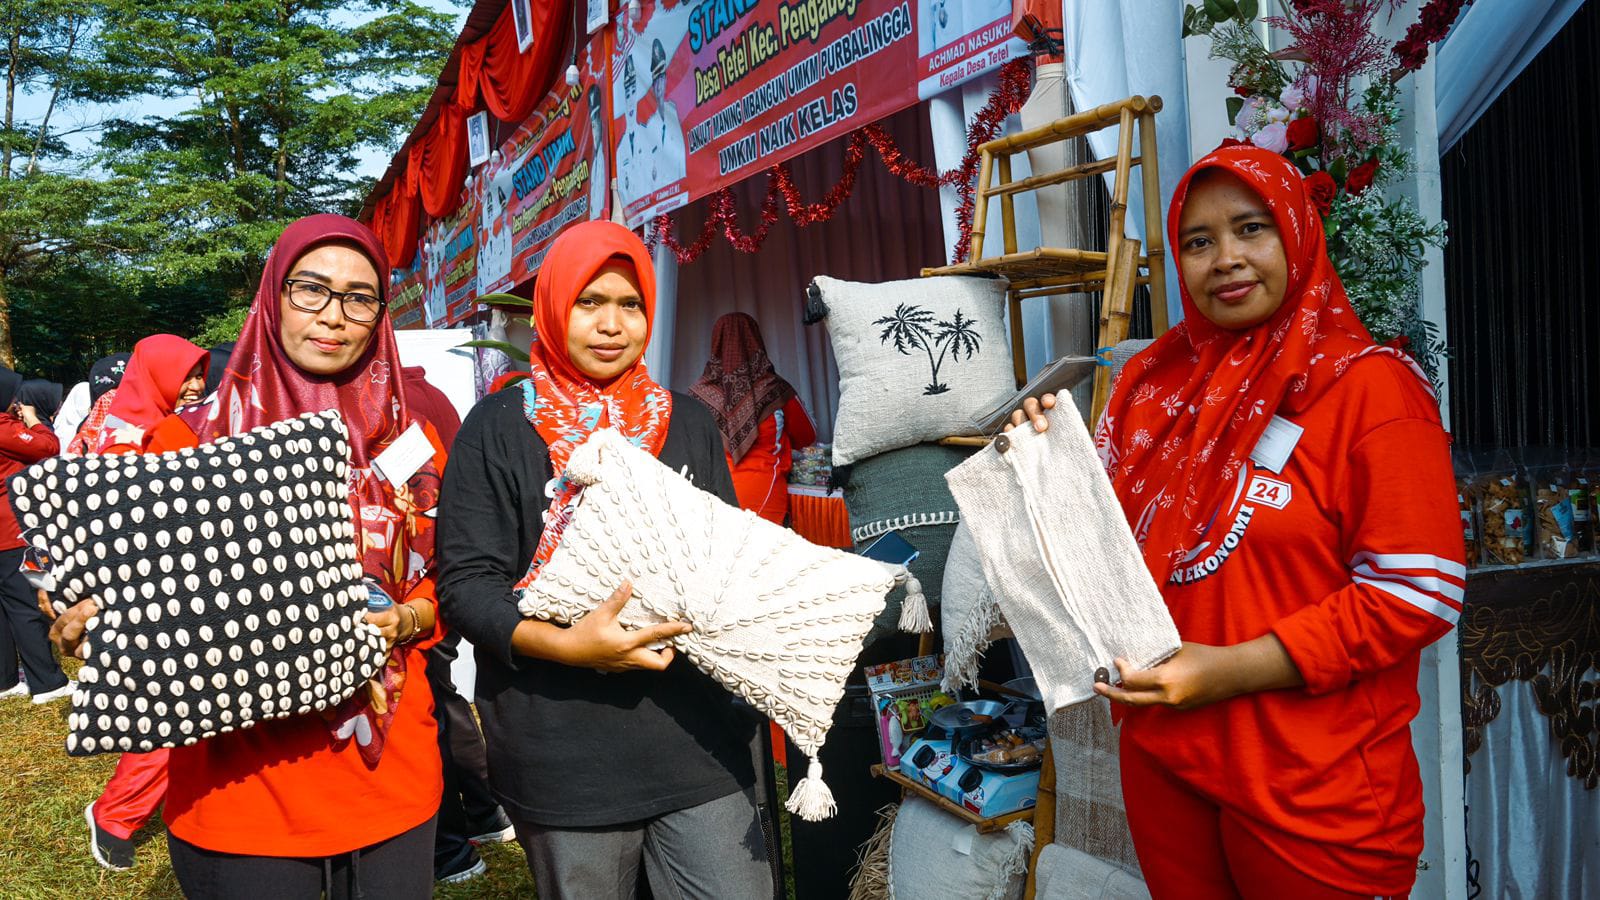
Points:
[(777, 620)]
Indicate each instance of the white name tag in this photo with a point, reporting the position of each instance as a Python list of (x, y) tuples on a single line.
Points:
[(401, 460), (1277, 442)]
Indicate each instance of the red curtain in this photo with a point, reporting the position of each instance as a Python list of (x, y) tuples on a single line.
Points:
[(438, 161), (512, 82)]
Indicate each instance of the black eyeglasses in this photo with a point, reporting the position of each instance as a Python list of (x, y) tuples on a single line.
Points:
[(309, 296)]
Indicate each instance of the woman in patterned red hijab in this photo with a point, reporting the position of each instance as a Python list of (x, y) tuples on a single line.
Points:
[(1290, 485)]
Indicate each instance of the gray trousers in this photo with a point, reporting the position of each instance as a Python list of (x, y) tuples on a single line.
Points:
[(706, 852)]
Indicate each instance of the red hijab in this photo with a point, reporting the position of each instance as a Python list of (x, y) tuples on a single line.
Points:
[(261, 386), (149, 390), (1188, 410), (739, 383), (561, 403)]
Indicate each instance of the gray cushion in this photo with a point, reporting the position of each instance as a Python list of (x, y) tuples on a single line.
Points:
[(917, 359)]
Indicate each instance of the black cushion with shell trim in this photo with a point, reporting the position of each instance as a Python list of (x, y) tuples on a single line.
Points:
[(226, 576)]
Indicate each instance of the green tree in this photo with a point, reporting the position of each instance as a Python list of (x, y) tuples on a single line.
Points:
[(48, 210), (287, 96)]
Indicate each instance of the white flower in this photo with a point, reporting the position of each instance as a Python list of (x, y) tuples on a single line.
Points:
[(1273, 138), (1277, 114), (1298, 94)]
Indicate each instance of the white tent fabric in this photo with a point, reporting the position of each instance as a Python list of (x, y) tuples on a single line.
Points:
[(1115, 50), (1488, 47)]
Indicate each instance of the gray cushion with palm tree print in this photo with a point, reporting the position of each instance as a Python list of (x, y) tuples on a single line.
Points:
[(916, 359)]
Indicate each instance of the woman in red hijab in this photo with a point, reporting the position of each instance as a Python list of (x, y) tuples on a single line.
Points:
[(608, 756), (289, 808), (760, 417), (1290, 484), (165, 372)]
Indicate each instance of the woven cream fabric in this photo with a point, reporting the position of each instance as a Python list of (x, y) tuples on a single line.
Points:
[(969, 615), (1060, 559), (777, 620)]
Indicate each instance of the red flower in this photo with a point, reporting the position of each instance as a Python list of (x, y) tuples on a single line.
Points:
[(1360, 178), (1241, 90), (1321, 188), (1303, 133)]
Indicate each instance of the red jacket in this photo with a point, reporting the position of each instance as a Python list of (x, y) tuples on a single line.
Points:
[(20, 447), (761, 477), (1352, 555)]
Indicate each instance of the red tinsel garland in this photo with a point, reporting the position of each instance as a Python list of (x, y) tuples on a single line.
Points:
[(1007, 98)]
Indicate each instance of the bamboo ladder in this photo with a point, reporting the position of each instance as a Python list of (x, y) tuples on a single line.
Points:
[(1045, 271)]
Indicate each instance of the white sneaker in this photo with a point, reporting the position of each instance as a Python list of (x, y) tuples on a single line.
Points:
[(20, 689), (51, 696)]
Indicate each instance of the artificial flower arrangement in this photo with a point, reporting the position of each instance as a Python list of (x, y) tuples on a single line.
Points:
[(1329, 103)]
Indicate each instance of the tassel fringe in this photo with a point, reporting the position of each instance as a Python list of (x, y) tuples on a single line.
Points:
[(914, 615), (811, 799)]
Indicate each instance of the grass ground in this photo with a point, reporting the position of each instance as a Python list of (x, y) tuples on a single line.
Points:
[(44, 851)]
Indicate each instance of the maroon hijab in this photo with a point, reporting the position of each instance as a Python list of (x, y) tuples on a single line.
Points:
[(739, 383), (262, 386)]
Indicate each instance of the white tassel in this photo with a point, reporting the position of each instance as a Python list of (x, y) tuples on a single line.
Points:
[(583, 466), (914, 615), (811, 800)]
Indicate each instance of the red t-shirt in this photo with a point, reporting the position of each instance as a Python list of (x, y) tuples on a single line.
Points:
[(1352, 555), (20, 447), (761, 478), (280, 789)]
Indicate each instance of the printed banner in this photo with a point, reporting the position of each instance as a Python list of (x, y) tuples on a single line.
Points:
[(708, 93), (550, 174)]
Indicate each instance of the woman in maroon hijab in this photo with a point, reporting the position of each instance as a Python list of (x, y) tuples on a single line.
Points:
[(288, 808)]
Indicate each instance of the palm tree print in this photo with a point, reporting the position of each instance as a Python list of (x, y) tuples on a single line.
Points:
[(912, 327)]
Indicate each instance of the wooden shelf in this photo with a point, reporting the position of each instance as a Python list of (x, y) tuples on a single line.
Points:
[(1030, 265), (985, 826)]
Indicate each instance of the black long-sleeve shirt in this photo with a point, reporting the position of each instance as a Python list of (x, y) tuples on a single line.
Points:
[(572, 747)]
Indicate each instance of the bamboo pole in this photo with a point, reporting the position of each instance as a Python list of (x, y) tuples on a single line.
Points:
[(1154, 222), (1116, 228), (980, 212), (1072, 126), (1116, 309), (1072, 173), (1044, 818), (1019, 359), (1008, 215)]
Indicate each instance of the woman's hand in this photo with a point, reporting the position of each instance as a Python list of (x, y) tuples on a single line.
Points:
[(28, 415), (1200, 674), (598, 641), (399, 624), (43, 599), (1033, 409), (67, 632)]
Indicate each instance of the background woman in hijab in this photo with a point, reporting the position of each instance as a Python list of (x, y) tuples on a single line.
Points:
[(74, 409), (610, 757), (285, 809), (44, 396), (104, 376), (165, 373), (760, 417), (1291, 487), (24, 440)]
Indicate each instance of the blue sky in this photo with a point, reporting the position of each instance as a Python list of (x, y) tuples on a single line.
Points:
[(80, 124)]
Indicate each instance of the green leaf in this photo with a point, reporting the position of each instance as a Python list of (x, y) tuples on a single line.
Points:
[(1220, 10), (1248, 10), (505, 300), (1338, 170), (1234, 104), (517, 353)]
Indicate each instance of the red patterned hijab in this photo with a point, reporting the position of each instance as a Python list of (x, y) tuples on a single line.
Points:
[(739, 383), (262, 386), (149, 389), (1188, 410), (561, 403)]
